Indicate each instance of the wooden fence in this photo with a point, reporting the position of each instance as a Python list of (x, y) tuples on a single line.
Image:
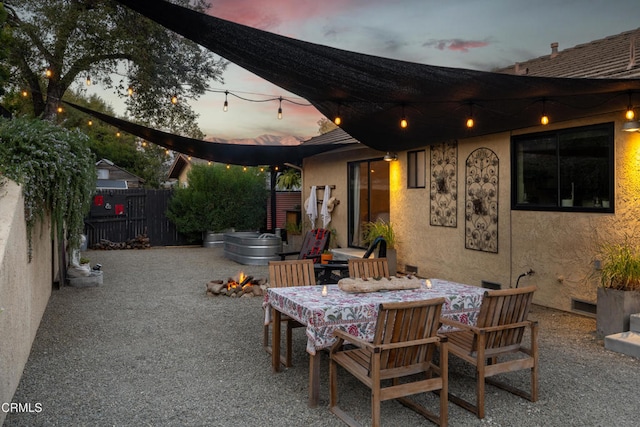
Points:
[(121, 215)]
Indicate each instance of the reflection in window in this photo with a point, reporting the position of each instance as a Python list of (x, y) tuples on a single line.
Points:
[(565, 170), (416, 169)]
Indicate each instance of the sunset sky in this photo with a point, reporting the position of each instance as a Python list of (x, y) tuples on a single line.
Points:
[(473, 34)]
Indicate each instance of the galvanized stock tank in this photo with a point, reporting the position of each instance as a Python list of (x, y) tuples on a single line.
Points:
[(251, 248)]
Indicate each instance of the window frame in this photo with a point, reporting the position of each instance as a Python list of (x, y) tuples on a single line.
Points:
[(557, 134), (413, 169)]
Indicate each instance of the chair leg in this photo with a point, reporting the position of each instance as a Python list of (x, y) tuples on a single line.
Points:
[(289, 344)]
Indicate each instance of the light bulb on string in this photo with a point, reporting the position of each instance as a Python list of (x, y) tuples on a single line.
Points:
[(88, 80), (60, 110), (404, 123), (225, 108), (470, 122), (280, 109), (25, 93), (90, 122), (48, 73), (174, 99), (337, 119), (130, 90), (544, 119), (629, 114)]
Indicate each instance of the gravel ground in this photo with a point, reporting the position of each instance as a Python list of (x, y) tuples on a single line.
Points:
[(148, 347)]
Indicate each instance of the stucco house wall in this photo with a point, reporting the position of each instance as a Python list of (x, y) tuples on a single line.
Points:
[(25, 287), (560, 247)]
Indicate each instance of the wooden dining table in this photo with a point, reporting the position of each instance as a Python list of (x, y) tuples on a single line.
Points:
[(355, 313)]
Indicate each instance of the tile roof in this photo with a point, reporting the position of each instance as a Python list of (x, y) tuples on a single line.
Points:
[(615, 56)]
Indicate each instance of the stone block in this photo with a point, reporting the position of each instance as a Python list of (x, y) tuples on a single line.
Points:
[(94, 279), (634, 323), (625, 342)]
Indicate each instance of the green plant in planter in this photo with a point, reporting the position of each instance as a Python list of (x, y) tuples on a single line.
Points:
[(620, 265), (380, 228)]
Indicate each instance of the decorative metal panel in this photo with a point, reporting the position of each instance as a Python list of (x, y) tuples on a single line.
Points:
[(444, 185), (481, 204)]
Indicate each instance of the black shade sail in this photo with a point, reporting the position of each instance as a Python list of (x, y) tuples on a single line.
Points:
[(372, 94), (237, 154)]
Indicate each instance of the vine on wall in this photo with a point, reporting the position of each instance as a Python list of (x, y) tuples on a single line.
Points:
[(56, 170)]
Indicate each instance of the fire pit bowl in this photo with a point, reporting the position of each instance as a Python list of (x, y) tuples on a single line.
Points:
[(250, 248)]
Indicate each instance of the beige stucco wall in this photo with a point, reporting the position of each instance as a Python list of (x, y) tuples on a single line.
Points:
[(25, 287), (560, 247)]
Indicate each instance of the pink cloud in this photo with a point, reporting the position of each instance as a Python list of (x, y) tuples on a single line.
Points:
[(456, 44), (269, 15)]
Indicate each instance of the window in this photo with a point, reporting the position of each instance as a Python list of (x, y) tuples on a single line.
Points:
[(368, 196), (566, 170), (416, 169)]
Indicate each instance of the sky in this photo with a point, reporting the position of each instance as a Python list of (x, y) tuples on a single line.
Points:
[(471, 34)]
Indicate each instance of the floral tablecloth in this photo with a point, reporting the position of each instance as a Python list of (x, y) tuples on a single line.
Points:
[(357, 313)]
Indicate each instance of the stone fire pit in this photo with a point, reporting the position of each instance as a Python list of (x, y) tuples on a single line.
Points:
[(237, 287)]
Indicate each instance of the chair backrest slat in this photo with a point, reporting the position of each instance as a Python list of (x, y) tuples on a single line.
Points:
[(291, 273), (315, 243), (407, 321), (503, 307), (368, 267)]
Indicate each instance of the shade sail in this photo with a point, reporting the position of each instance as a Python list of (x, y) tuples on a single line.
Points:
[(237, 154), (371, 94)]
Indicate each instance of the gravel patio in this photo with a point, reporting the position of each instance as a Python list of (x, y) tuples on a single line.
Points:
[(149, 347)]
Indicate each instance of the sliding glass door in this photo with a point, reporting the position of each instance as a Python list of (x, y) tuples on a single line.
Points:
[(368, 196)]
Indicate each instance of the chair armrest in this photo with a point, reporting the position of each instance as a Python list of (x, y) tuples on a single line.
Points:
[(283, 255), (359, 342), (459, 325)]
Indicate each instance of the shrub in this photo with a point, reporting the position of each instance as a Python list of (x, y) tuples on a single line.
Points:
[(219, 198), (56, 170)]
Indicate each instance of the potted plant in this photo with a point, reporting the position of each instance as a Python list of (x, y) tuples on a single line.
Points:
[(384, 229), (619, 293), (325, 257)]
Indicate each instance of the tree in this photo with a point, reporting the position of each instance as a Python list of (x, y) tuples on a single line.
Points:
[(4, 50), (325, 125), (97, 40)]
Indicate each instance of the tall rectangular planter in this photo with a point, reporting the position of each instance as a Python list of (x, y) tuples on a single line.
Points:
[(615, 309)]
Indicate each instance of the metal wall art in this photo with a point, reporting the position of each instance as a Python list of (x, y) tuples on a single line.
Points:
[(444, 185), (481, 204)]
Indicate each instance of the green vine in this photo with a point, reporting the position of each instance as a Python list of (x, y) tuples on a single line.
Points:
[(56, 170)]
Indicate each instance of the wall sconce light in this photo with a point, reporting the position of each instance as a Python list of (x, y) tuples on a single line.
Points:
[(631, 126), (390, 157)]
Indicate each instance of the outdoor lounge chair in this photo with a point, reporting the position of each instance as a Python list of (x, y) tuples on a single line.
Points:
[(404, 345), (284, 274), (499, 332), (315, 243)]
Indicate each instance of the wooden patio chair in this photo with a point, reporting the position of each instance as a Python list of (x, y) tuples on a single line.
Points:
[(368, 267), (314, 244), (494, 345), (284, 274), (404, 345)]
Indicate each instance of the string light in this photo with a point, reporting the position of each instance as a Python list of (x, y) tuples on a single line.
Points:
[(630, 115), (403, 122), (244, 169), (280, 109), (130, 90), (338, 120), (544, 119), (25, 93), (174, 99), (228, 166), (88, 80), (60, 110), (118, 134), (470, 122), (90, 122), (225, 108), (48, 73)]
